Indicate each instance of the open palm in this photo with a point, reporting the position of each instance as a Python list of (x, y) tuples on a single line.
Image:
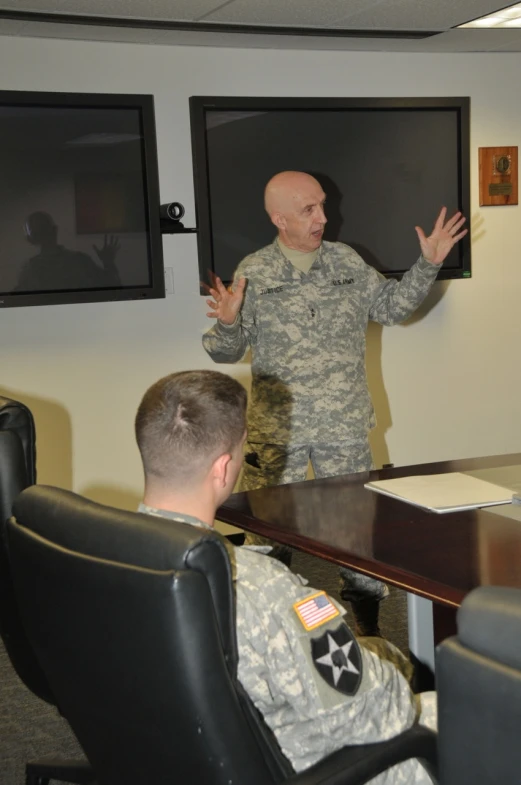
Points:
[(226, 303), (444, 236)]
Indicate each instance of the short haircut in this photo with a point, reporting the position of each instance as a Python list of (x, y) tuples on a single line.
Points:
[(187, 420)]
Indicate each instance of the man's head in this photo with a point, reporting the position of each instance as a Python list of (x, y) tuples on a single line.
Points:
[(294, 202), (190, 430), (40, 229)]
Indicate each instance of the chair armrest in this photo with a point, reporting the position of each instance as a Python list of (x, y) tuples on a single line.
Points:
[(357, 765)]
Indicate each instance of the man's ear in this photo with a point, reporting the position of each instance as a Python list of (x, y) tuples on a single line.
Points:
[(279, 220), (220, 469)]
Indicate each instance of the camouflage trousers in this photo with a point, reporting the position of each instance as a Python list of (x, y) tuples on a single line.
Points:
[(278, 464)]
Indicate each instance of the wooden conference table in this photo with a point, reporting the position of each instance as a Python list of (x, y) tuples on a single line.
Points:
[(439, 557)]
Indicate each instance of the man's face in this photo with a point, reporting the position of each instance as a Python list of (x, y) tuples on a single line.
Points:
[(302, 222)]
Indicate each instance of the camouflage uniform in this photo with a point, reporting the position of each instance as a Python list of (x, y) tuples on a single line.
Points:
[(317, 689), (307, 336), (309, 396)]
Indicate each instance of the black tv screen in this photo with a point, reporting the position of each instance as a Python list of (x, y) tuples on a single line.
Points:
[(385, 164), (79, 199)]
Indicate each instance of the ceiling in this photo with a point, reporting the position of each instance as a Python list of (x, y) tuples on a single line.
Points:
[(363, 25)]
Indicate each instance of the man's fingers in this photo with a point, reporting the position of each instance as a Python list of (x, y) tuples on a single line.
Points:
[(221, 288), (212, 316), (457, 226), (207, 288), (440, 219), (420, 233), (453, 221), (460, 235), (215, 281)]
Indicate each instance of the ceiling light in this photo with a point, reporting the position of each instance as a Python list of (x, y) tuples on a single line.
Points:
[(507, 17)]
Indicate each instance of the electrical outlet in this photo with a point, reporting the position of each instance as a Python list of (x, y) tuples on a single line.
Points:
[(169, 280)]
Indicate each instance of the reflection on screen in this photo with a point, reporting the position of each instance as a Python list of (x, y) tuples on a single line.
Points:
[(72, 198)]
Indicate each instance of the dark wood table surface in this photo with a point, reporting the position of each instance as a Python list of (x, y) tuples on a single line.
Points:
[(441, 557)]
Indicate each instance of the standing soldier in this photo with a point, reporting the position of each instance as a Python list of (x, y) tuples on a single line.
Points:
[(303, 305)]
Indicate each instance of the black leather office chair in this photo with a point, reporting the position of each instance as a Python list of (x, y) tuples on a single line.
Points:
[(18, 471), (478, 675), (132, 619)]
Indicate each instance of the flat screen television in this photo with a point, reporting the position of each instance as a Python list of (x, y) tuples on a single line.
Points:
[(385, 164), (79, 199)]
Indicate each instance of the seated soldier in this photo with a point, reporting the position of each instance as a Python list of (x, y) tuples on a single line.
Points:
[(317, 686)]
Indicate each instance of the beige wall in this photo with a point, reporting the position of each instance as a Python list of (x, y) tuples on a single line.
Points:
[(445, 385)]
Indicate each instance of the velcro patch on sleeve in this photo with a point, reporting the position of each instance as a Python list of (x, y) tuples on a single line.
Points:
[(315, 610)]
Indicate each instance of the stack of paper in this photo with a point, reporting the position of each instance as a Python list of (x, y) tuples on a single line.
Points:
[(443, 492)]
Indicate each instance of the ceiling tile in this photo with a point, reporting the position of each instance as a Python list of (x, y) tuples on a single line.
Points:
[(91, 32), (292, 13), (416, 14), (178, 10), (33, 5)]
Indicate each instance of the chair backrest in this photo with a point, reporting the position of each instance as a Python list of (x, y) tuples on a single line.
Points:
[(132, 619), (17, 462), (17, 471), (478, 678), (17, 417)]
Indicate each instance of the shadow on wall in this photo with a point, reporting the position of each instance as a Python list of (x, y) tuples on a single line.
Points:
[(53, 438), (112, 496), (375, 380), (375, 376)]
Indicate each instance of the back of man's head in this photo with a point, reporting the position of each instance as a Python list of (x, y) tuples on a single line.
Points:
[(40, 229), (187, 420)]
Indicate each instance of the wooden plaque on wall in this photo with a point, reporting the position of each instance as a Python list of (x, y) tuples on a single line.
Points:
[(497, 175)]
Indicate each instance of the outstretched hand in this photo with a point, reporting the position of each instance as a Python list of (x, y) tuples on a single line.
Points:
[(226, 303), (444, 236), (109, 250)]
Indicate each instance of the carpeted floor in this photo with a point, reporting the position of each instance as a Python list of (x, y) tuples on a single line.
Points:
[(393, 611), (29, 727)]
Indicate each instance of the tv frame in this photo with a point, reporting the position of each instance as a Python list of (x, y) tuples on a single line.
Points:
[(200, 104), (145, 105)]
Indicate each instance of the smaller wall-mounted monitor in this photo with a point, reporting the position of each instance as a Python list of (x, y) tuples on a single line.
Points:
[(385, 164), (79, 199)]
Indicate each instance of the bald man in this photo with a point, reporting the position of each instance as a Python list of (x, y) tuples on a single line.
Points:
[(302, 305)]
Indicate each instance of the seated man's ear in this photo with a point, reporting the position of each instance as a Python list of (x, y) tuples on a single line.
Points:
[(220, 468)]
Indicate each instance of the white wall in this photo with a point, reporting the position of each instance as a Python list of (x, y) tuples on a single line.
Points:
[(445, 385)]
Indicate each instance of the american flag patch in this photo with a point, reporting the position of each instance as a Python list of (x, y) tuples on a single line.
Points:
[(315, 610)]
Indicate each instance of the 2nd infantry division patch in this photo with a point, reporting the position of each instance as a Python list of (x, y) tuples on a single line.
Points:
[(315, 610), (336, 656)]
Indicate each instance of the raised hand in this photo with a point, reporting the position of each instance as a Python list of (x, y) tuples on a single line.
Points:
[(444, 236), (109, 250), (226, 303)]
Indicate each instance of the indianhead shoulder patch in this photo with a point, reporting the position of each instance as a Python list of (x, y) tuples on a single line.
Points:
[(336, 656)]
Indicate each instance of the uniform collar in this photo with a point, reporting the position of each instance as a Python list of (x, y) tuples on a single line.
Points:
[(173, 516), (287, 268)]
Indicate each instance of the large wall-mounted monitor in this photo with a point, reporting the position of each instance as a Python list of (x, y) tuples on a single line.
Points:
[(79, 199), (385, 164)]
